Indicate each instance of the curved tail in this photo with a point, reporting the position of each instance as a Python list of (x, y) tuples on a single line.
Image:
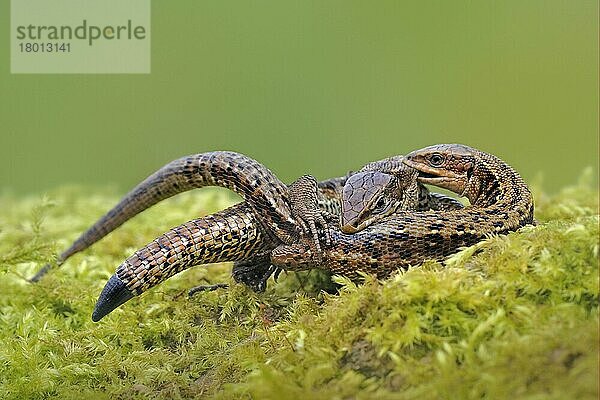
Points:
[(234, 171), (229, 235)]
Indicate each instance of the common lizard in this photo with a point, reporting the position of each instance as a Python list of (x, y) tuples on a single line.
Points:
[(259, 230)]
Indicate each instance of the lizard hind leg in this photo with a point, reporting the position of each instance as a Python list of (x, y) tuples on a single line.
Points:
[(255, 272)]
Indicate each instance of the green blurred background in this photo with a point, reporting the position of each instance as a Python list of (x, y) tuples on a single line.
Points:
[(317, 87)]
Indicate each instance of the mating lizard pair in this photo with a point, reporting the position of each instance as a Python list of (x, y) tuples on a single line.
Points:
[(281, 227)]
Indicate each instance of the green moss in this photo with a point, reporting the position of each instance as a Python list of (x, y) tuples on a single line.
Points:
[(515, 316)]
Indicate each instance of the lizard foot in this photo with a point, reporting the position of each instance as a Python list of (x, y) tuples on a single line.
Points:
[(304, 199), (255, 272)]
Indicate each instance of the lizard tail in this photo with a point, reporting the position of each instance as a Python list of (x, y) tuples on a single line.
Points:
[(234, 171), (229, 235), (114, 294)]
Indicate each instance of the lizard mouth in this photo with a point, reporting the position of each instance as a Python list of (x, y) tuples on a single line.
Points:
[(350, 224), (353, 226), (439, 177), (427, 175), (349, 228)]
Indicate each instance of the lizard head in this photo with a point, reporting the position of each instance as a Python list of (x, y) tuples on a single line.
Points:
[(449, 166), (369, 196)]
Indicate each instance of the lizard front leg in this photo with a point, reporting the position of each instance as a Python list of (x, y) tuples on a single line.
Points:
[(304, 203), (253, 272)]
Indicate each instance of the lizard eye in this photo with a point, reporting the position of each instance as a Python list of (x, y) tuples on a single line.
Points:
[(380, 206), (436, 160)]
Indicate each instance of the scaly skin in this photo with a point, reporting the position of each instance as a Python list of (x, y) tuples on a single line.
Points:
[(228, 235), (150, 266), (262, 190), (500, 203)]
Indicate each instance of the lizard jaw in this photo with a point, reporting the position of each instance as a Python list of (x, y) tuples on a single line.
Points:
[(439, 177), (349, 228), (350, 221)]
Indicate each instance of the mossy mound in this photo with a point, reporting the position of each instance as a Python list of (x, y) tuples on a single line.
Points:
[(515, 316)]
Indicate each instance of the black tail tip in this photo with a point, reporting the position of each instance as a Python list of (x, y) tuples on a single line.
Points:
[(113, 295)]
